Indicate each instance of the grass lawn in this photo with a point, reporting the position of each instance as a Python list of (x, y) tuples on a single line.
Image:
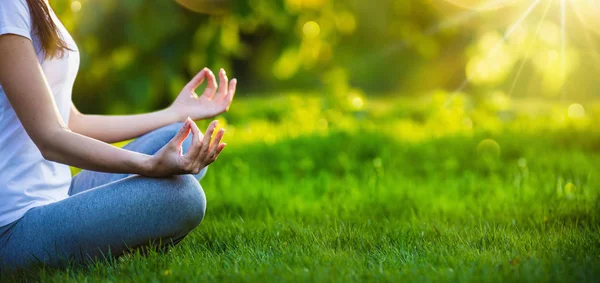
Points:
[(396, 191)]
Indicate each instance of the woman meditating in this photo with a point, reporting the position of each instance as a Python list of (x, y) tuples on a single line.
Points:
[(144, 195)]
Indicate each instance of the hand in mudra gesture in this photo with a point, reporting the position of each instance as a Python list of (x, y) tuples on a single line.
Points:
[(204, 150), (215, 99)]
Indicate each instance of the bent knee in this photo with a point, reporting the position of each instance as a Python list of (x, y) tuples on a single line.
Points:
[(182, 200), (191, 201)]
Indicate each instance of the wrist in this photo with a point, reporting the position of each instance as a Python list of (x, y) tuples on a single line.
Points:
[(146, 165), (174, 115)]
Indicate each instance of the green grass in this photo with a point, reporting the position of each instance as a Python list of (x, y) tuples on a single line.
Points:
[(372, 203)]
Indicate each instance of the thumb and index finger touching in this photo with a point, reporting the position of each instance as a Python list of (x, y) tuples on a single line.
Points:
[(197, 80), (199, 141)]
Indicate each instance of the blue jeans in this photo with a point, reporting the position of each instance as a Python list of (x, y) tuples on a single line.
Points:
[(106, 215)]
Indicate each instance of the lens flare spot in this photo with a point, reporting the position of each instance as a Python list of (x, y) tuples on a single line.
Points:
[(576, 111), (75, 6), (357, 102), (570, 189), (488, 148), (311, 29)]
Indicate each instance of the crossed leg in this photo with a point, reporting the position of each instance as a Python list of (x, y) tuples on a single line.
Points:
[(108, 214)]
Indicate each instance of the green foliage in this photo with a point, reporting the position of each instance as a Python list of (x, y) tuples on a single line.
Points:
[(136, 55)]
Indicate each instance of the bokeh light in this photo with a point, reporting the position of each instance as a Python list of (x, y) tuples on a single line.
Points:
[(356, 100), (570, 189), (576, 111), (311, 29), (488, 148), (75, 6), (492, 62)]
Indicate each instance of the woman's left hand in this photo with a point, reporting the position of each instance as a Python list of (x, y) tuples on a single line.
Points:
[(213, 101)]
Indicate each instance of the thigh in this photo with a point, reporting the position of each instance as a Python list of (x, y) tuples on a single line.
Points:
[(149, 144), (106, 221)]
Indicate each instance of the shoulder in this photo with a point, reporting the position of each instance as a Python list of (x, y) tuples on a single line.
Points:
[(8, 7), (15, 17)]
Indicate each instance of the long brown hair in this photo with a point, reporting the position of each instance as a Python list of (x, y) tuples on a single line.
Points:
[(51, 42)]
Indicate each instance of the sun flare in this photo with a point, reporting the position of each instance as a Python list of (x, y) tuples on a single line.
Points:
[(550, 32)]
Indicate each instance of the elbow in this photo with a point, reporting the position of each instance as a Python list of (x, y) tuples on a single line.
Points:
[(49, 154), (75, 120), (50, 145)]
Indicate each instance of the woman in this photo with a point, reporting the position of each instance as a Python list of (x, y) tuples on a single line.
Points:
[(148, 195)]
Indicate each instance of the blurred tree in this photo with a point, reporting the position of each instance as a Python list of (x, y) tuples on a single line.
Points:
[(137, 55)]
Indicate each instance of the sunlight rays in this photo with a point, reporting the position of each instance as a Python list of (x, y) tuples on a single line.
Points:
[(507, 35), (543, 37), (590, 41), (564, 58), (482, 5), (530, 48), (462, 17), (432, 30), (402, 45), (563, 44)]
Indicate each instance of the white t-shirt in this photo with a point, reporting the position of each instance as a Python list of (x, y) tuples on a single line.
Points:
[(28, 180)]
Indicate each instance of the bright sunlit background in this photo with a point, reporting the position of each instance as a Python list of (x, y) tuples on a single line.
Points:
[(142, 52), (460, 65), (385, 139)]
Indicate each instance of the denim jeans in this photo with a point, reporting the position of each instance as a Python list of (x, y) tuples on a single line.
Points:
[(106, 215)]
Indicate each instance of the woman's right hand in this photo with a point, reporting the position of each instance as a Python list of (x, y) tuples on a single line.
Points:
[(169, 160)]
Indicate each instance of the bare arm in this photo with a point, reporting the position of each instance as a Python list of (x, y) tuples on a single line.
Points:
[(112, 129), (119, 128), (23, 81)]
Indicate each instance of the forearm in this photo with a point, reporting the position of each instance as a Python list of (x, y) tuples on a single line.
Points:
[(188, 104), (66, 147), (119, 128)]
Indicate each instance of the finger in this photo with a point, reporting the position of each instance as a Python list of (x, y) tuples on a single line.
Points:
[(207, 136), (211, 89), (216, 155), (197, 80), (224, 83), (219, 149), (232, 87), (210, 155), (196, 145), (215, 143), (182, 134)]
